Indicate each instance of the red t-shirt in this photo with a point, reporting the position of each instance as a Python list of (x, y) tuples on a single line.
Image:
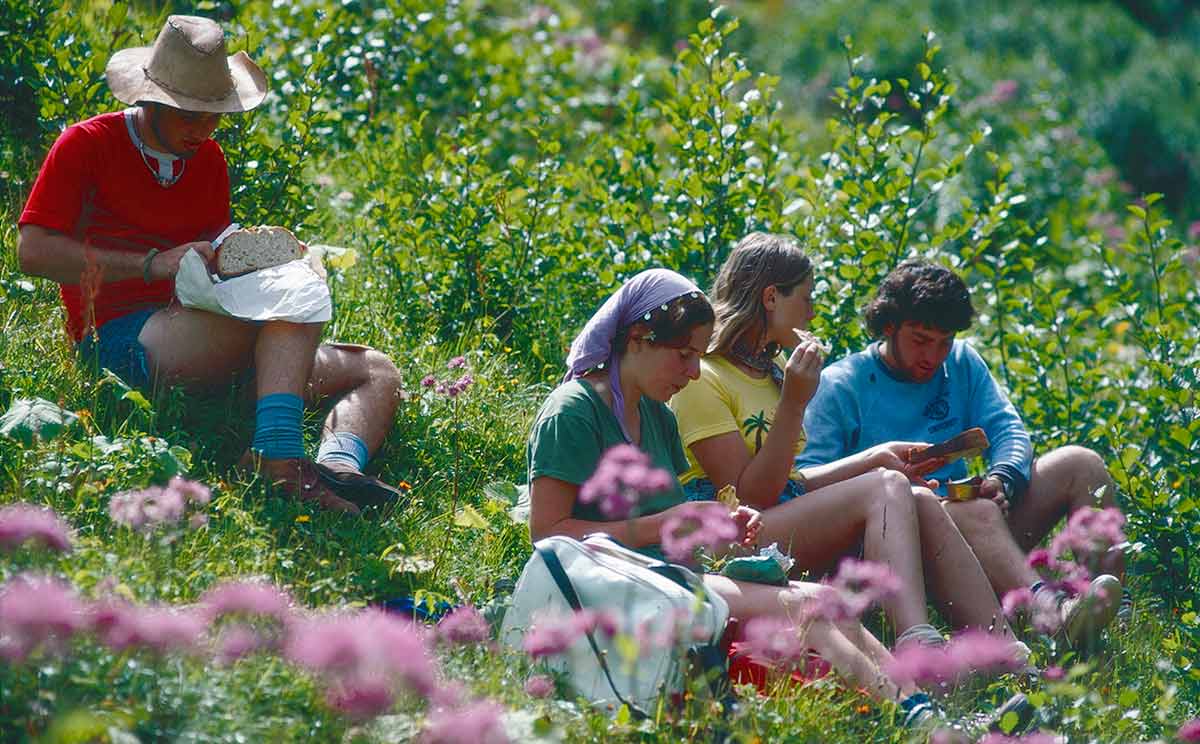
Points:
[(95, 187)]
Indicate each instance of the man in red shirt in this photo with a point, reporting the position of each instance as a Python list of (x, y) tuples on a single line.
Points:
[(121, 198)]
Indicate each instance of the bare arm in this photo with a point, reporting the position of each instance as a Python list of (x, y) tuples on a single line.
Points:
[(890, 455), (53, 255), (760, 477), (551, 500)]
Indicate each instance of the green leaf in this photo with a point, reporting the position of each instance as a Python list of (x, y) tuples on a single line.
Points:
[(1137, 211), (1009, 721), (1127, 699), (470, 518), (137, 399), (30, 419)]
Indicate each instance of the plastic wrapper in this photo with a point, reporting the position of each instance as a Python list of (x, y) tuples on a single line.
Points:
[(295, 291)]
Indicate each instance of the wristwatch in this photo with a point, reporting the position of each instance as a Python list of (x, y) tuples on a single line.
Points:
[(1005, 484)]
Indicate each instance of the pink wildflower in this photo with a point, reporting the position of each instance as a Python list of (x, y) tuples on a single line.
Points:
[(352, 652), (1193, 232), (550, 638), (539, 686), (428, 381), (464, 626), (21, 523), (149, 508), (1035, 737), (164, 629), (161, 629), (247, 598), (624, 476), (657, 631), (773, 642), (1054, 674), (237, 641), (36, 610), (1040, 558), (193, 491), (362, 697), (459, 386), (1004, 91), (457, 362), (554, 635), (856, 586), (478, 723), (969, 653), (980, 651), (1190, 731), (699, 525), (1017, 600), (1090, 532)]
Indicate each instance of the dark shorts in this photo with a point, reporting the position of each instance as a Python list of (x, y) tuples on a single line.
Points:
[(702, 489), (116, 347)]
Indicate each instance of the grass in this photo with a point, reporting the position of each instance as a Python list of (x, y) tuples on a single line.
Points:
[(1128, 693)]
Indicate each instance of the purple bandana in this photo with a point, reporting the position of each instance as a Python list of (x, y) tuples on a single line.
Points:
[(636, 297)]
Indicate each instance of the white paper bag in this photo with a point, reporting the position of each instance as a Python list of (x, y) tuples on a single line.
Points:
[(293, 291)]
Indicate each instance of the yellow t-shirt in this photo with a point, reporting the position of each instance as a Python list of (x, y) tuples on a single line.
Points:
[(727, 399)]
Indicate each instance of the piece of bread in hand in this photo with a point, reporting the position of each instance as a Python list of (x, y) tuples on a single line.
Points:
[(254, 248), (967, 444)]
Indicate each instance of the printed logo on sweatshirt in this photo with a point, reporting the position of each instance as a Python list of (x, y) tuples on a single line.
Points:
[(939, 407)]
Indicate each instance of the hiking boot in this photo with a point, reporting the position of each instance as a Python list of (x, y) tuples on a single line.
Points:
[(357, 487), (1089, 613), (299, 478)]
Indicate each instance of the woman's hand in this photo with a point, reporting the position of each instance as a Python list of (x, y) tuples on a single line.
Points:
[(802, 374), (749, 522), (894, 456)]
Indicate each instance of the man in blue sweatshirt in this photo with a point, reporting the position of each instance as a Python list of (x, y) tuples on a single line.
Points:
[(917, 383)]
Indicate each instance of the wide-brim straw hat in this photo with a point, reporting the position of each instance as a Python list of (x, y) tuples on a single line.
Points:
[(187, 68)]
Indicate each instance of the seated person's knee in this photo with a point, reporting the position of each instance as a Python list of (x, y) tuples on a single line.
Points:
[(976, 512)]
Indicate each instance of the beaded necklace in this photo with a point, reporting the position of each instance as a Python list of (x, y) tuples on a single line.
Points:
[(759, 361)]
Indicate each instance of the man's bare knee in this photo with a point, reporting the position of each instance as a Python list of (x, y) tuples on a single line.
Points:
[(383, 371), (976, 514)]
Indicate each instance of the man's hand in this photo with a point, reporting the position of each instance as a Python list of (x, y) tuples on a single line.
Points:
[(749, 522), (993, 488), (165, 265), (893, 456)]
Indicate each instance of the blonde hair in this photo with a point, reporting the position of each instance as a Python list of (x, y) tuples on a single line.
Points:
[(758, 261)]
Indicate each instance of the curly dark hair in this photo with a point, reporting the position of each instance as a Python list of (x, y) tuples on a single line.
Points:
[(671, 325), (921, 292)]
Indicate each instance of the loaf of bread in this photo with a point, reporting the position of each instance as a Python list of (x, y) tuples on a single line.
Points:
[(253, 248)]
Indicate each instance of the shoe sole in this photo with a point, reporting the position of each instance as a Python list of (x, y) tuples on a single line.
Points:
[(1094, 612), (360, 490)]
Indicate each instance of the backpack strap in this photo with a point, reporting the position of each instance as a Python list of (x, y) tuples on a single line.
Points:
[(554, 566)]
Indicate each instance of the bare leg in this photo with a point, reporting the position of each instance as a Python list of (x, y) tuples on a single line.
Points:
[(369, 387), (748, 601), (1003, 560), (203, 351), (877, 508), (958, 582), (1063, 481), (197, 349)]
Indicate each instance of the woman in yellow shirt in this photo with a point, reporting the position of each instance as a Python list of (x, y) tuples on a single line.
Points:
[(742, 424)]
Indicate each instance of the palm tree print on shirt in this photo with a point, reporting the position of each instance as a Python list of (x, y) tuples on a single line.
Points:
[(758, 425)]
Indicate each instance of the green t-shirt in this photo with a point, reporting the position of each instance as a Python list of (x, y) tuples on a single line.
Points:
[(575, 426)]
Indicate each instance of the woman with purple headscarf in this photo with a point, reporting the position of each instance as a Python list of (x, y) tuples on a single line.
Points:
[(638, 350)]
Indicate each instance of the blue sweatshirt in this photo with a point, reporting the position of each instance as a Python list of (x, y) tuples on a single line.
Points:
[(861, 403)]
